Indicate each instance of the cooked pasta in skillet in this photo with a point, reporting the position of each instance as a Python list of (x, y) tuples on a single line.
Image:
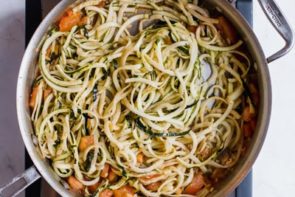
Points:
[(143, 98)]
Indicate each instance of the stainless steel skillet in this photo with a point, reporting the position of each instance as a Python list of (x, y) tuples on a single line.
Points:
[(26, 76)]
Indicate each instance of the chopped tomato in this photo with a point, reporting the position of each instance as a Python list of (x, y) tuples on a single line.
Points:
[(75, 184), (154, 186), (106, 193), (253, 123), (101, 4), (254, 93), (179, 191), (227, 30), (247, 130), (69, 20), (218, 173), (196, 185), (105, 171), (167, 40), (34, 93), (249, 127), (83, 21), (124, 191), (112, 176), (85, 142), (149, 177), (247, 114), (48, 51), (93, 188), (192, 28), (33, 96), (205, 153), (140, 158), (46, 92), (253, 89), (255, 99)]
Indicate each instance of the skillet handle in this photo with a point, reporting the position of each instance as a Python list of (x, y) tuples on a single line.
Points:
[(278, 20), (20, 182)]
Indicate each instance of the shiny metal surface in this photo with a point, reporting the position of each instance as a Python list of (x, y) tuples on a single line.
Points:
[(25, 79), (278, 20), (26, 75), (245, 163), (19, 183)]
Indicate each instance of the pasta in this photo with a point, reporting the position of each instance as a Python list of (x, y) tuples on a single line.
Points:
[(142, 98)]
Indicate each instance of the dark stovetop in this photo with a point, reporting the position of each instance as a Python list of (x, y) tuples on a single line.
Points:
[(33, 18)]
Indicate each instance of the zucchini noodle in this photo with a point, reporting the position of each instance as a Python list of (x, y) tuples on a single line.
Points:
[(144, 93)]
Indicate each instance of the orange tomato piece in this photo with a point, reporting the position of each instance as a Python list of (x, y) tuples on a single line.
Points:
[(124, 191), (196, 185), (105, 171), (249, 127), (247, 114), (254, 93), (140, 158), (247, 130), (112, 176), (93, 188), (69, 20), (253, 123), (46, 92), (101, 4), (179, 191), (218, 173), (75, 184), (83, 21), (192, 28), (106, 193), (33, 96), (149, 177), (85, 142), (227, 30), (154, 186)]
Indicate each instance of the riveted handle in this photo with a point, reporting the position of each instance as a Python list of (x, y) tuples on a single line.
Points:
[(278, 20), (19, 183)]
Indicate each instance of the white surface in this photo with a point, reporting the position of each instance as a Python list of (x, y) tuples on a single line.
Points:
[(12, 43), (274, 170)]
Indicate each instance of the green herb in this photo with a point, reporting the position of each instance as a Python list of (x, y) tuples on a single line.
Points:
[(57, 142), (115, 64), (153, 134), (53, 57), (86, 117), (106, 73), (191, 105), (160, 24), (94, 92), (247, 92), (52, 30), (37, 80), (89, 158), (92, 73), (183, 49), (173, 37), (176, 84), (86, 34), (123, 171)]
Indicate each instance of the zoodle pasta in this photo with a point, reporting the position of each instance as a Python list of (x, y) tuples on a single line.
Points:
[(142, 98)]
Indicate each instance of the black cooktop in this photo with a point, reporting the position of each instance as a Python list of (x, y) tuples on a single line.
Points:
[(33, 19)]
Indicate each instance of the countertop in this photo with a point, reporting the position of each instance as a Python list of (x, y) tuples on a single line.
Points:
[(274, 170), (12, 42)]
